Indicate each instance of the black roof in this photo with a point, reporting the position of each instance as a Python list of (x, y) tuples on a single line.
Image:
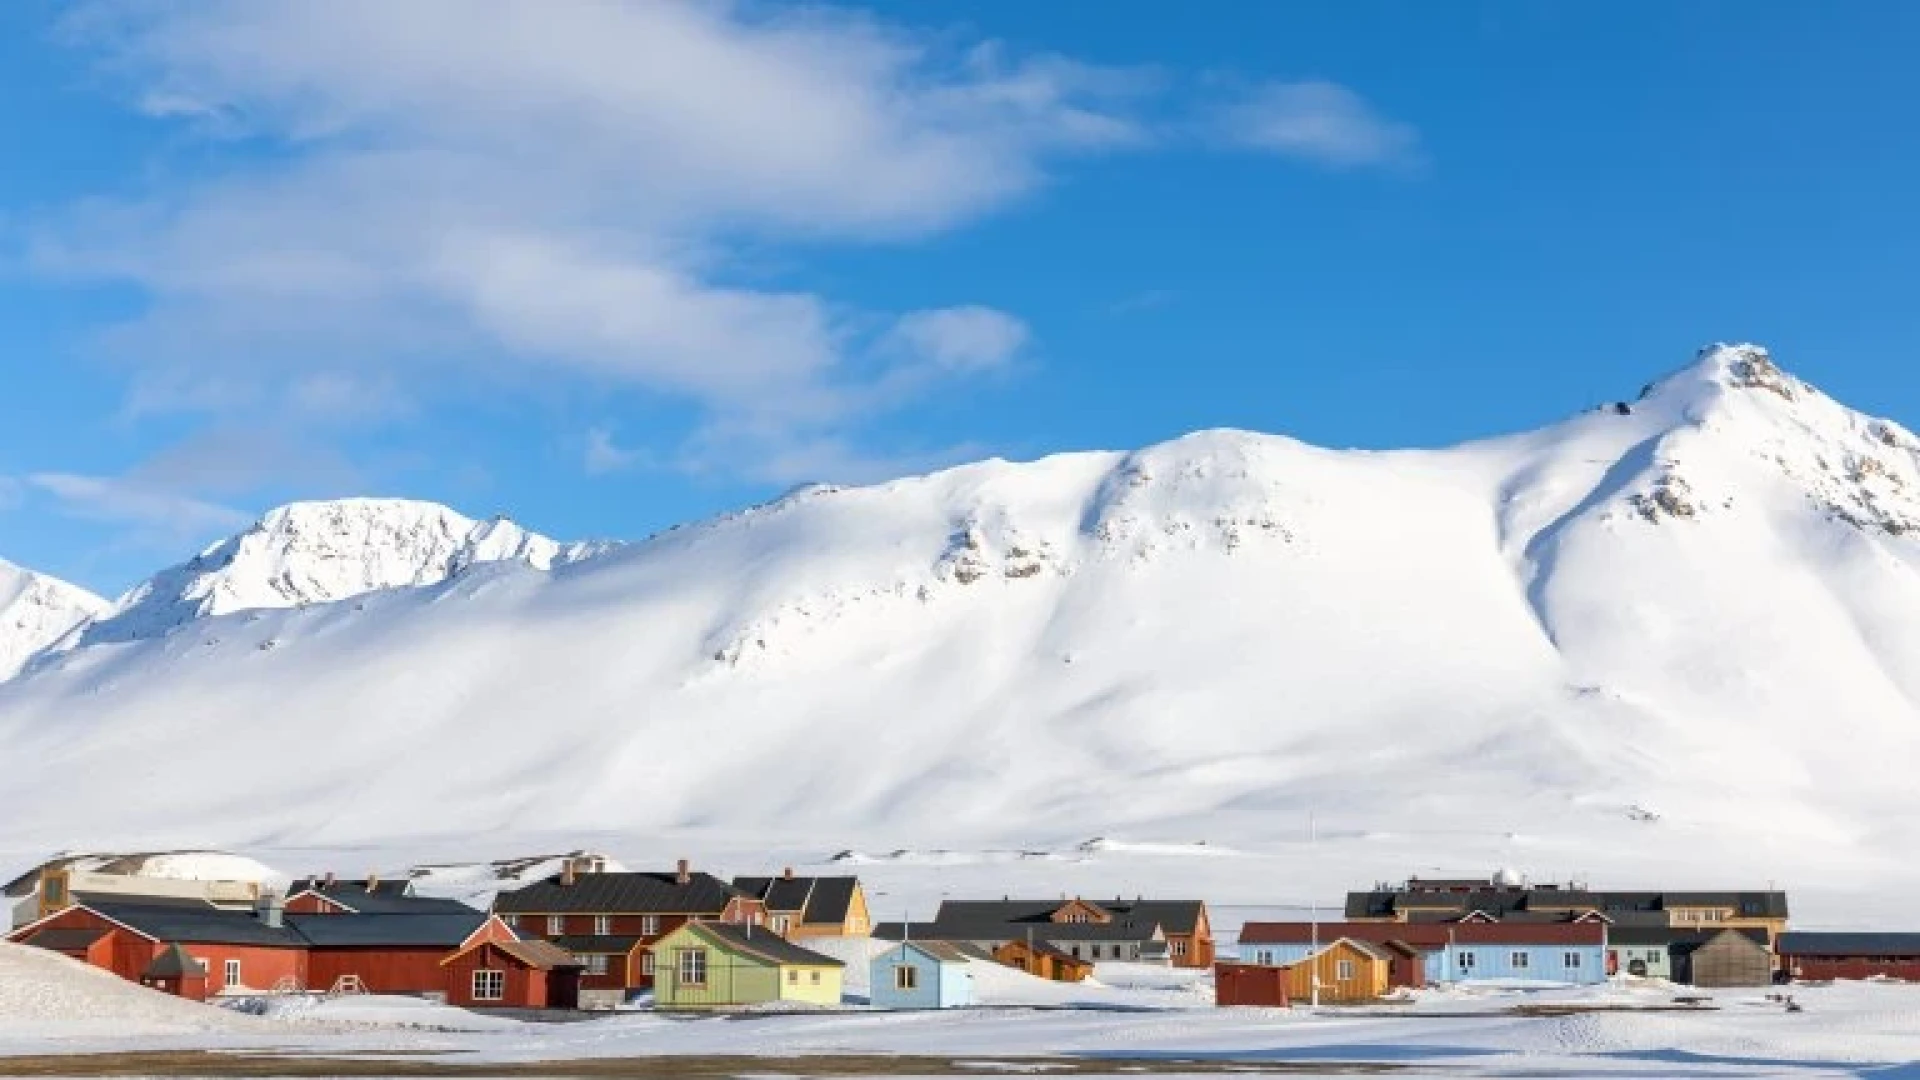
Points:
[(769, 944), (1388, 903), (196, 921), (1000, 932), (1172, 916), (174, 963), (1805, 943), (64, 940), (595, 944), (621, 894), (386, 897), (1675, 938), (426, 930), (818, 899)]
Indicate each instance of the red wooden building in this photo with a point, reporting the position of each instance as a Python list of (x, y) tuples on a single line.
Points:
[(389, 954), (239, 951), (611, 920), (512, 975), (1822, 956)]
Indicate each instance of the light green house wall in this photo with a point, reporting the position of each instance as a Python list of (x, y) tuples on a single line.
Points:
[(735, 976)]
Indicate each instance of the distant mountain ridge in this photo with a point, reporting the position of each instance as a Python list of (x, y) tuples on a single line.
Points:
[(1694, 614), (36, 611)]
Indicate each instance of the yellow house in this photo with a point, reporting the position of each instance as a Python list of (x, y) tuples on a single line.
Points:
[(1349, 972), (705, 965), (804, 907)]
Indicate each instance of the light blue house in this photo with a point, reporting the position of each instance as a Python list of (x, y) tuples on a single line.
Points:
[(921, 975), (1522, 961), (1475, 950)]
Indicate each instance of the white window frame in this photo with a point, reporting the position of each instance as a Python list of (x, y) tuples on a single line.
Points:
[(231, 973), (1343, 970), (512, 921), (692, 965), (1463, 959), (556, 924), (1179, 946), (1570, 959), (1264, 957), (649, 925), (596, 963), (906, 978), (489, 984), (603, 925), (1518, 960), (646, 963)]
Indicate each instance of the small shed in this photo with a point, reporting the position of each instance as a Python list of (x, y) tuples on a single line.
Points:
[(1726, 959), (705, 965), (1039, 959), (175, 972), (921, 975), (1348, 972), (512, 975)]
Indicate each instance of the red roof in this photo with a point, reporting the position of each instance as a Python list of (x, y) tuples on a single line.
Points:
[(1427, 935)]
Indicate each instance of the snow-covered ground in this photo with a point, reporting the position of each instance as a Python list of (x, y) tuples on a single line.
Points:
[(50, 1005)]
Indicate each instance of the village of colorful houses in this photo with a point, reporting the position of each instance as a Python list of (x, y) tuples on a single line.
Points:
[(588, 937)]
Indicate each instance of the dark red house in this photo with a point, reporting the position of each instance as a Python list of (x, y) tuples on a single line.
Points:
[(389, 954), (512, 975), (239, 951), (610, 920), (1820, 956)]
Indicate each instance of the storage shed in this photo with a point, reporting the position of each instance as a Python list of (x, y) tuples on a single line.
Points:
[(921, 975), (1041, 960), (512, 975)]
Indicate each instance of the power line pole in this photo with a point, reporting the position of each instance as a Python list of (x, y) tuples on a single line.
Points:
[(1313, 908)]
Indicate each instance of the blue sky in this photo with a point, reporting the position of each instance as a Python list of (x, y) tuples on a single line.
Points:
[(608, 267)]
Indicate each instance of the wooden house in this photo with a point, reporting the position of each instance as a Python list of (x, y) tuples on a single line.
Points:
[(1695, 957), (512, 975), (1473, 951), (239, 952), (704, 965), (805, 907), (1176, 932), (1505, 899), (389, 954), (921, 975), (1348, 972), (612, 921), (1043, 961), (1823, 956)]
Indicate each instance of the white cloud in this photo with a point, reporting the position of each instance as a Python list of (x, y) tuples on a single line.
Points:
[(962, 339), (1319, 121), (560, 187), (127, 502), (604, 455)]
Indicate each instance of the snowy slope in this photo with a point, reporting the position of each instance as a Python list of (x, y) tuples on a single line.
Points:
[(36, 611), (1689, 623), (321, 552)]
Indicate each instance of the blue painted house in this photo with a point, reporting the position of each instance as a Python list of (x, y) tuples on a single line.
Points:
[(921, 975), (1475, 951)]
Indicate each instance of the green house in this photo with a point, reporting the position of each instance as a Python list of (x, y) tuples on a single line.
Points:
[(705, 965)]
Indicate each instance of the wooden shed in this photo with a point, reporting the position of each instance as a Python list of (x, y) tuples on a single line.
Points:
[(512, 975), (1042, 960), (1728, 958), (1349, 972), (175, 972)]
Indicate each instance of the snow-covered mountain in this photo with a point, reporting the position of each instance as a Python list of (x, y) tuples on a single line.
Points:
[(35, 612), (322, 552), (1689, 621)]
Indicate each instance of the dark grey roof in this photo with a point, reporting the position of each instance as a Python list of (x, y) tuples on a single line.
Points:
[(433, 930), (1386, 903), (987, 930), (395, 897), (596, 944), (818, 899), (623, 894), (174, 963), (1805, 943), (203, 923), (64, 940), (941, 951), (1675, 938), (1171, 916), (770, 945)]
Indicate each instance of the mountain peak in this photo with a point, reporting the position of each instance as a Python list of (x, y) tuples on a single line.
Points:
[(35, 611), (324, 551)]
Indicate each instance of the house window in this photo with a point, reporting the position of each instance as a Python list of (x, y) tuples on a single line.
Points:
[(512, 921), (556, 924), (1464, 960), (603, 925), (693, 967), (646, 963), (56, 889), (1077, 917), (649, 925), (906, 977), (1179, 946), (1571, 960), (233, 973), (780, 924), (1264, 956), (1519, 960), (596, 963), (489, 985), (1343, 970), (793, 977), (814, 977)]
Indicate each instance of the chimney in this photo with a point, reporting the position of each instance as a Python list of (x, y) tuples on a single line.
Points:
[(329, 879), (787, 873), (566, 874), (373, 882), (270, 908), (683, 873)]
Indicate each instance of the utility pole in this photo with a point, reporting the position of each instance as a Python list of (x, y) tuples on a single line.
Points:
[(1313, 908)]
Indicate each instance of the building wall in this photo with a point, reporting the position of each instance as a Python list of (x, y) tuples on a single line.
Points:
[(880, 980), (314, 904), (261, 968), (812, 985), (1820, 968), (1730, 960), (731, 978), (1258, 985), (526, 988), (1482, 963), (1655, 960), (381, 971)]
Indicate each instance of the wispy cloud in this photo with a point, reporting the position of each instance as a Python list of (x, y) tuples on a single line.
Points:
[(604, 455), (1322, 122), (164, 514), (964, 339)]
